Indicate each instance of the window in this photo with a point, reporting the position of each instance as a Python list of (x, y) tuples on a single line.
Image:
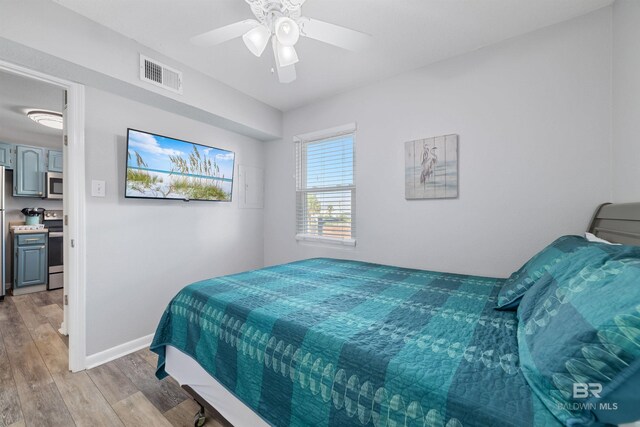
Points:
[(325, 186)]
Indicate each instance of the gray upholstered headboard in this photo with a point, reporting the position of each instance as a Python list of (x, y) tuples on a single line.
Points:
[(617, 222)]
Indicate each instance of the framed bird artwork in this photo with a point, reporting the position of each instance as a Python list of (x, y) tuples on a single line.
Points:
[(431, 168)]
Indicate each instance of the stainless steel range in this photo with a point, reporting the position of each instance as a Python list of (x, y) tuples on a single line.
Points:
[(53, 221)]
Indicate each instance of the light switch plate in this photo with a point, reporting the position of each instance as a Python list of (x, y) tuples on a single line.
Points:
[(98, 188)]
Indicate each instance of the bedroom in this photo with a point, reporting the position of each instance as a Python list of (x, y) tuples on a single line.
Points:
[(543, 98)]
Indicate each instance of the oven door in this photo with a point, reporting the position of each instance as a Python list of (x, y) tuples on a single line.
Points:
[(56, 267), (56, 264), (54, 185)]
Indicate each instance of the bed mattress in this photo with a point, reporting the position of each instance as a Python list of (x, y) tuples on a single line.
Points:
[(328, 342)]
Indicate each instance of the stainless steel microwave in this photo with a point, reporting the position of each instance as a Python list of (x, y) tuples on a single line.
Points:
[(54, 185)]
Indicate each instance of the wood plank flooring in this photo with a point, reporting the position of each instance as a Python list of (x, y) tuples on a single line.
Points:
[(37, 389)]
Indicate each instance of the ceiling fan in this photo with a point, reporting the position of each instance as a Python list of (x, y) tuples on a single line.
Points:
[(283, 20)]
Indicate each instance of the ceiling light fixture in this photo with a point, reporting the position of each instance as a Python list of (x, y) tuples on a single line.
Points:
[(46, 118), (256, 39), (287, 31)]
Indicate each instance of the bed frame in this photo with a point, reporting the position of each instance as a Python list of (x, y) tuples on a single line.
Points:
[(617, 223), (200, 417)]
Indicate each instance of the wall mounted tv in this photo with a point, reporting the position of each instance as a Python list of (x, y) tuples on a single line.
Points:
[(159, 167)]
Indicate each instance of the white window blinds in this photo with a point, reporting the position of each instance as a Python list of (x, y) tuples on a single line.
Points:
[(325, 188)]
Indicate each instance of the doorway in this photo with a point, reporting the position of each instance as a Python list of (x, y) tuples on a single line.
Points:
[(73, 245)]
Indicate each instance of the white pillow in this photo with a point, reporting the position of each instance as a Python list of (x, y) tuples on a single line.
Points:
[(592, 238)]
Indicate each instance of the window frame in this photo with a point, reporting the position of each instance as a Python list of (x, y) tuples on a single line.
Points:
[(300, 176)]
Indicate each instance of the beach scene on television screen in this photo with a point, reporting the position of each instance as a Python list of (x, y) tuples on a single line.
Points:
[(159, 167)]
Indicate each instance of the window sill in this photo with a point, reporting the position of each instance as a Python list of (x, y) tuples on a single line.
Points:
[(328, 240)]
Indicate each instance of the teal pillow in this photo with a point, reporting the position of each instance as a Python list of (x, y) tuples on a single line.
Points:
[(579, 336), (520, 281)]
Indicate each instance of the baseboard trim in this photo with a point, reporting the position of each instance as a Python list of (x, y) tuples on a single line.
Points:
[(113, 353)]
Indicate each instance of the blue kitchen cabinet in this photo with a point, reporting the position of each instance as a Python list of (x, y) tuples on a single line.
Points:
[(54, 162), (30, 260), (28, 179), (6, 155)]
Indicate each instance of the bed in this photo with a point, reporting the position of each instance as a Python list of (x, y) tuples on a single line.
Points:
[(337, 342)]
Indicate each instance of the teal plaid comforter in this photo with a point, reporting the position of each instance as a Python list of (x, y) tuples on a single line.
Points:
[(326, 342)]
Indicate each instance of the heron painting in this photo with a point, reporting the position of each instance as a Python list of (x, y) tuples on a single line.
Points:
[(431, 168)]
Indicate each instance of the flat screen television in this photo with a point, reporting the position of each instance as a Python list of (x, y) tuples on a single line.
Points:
[(159, 167)]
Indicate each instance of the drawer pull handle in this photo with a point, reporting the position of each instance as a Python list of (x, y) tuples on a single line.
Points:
[(31, 240)]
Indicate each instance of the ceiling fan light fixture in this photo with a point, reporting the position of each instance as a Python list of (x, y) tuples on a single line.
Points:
[(282, 23), (287, 31), (286, 55), (257, 39)]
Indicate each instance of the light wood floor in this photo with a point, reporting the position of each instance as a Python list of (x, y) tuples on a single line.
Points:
[(36, 388)]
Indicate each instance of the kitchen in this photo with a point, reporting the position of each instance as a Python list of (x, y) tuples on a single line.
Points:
[(31, 177)]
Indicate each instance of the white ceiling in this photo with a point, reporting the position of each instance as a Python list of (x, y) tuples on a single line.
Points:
[(408, 34), (19, 94)]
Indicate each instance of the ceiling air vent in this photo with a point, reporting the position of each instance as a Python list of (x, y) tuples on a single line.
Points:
[(158, 74)]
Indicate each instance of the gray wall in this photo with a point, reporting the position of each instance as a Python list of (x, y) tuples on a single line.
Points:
[(534, 119), (140, 253), (626, 101)]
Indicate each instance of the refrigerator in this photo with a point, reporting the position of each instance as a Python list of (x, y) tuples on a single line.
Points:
[(3, 243)]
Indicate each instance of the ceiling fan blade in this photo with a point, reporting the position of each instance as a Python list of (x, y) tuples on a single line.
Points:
[(287, 74), (223, 34), (336, 35)]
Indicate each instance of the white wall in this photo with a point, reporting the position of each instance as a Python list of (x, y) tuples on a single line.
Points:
[(534, 119), (626, 101), (140, 253)]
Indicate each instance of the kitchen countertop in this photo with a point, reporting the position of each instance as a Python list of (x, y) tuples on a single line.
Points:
[(14, 231), (44, 230)]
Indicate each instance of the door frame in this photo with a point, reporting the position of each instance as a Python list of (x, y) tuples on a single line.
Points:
[(74, 203)]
